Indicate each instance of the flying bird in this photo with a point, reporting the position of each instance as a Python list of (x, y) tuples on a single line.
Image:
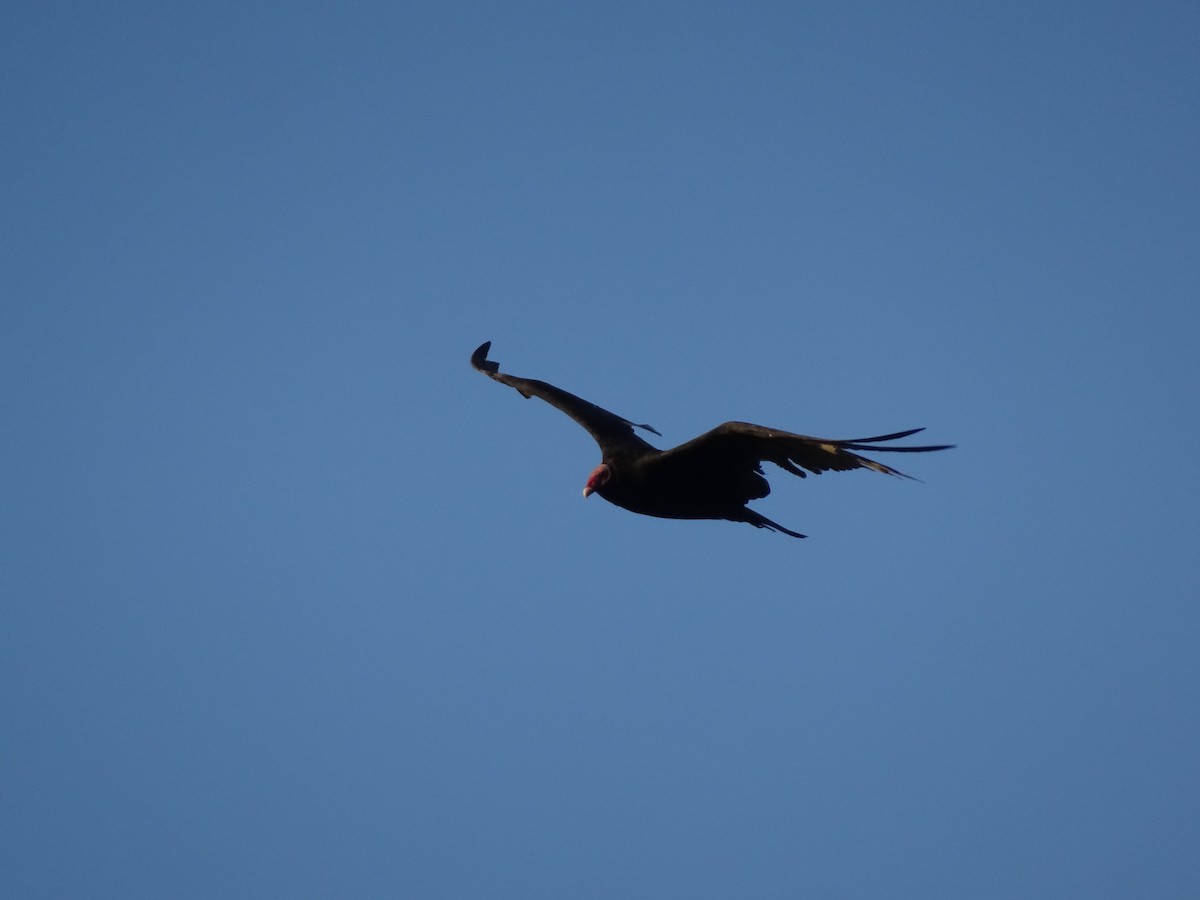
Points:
[(712, 476)]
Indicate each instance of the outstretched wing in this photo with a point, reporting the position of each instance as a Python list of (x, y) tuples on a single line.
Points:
[(738, 448), (609, 430)]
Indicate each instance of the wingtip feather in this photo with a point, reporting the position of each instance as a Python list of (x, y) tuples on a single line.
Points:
[(480, 361)]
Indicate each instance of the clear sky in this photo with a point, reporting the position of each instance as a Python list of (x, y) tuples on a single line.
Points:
[(296, 604)]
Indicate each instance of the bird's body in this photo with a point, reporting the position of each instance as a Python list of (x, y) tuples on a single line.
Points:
[(712, 476)]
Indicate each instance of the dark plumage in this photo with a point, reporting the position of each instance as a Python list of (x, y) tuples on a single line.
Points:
[(712, 476)]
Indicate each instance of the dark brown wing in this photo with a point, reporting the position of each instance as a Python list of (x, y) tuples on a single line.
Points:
[(737, 448), (610, 431)]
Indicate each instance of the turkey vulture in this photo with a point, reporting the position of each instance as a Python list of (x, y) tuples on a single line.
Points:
[(713, 476)]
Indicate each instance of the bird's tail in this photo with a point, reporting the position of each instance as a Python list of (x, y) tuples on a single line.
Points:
[(758, 520)]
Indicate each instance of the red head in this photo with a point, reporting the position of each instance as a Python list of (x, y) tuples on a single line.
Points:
[(597, 479)]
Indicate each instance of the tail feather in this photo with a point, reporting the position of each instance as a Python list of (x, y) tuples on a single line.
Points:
[(758, 520)]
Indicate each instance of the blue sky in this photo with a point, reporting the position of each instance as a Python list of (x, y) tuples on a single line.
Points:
[(298, 605)]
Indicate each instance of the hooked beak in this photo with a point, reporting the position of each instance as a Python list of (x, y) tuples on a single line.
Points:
[(598, 477)]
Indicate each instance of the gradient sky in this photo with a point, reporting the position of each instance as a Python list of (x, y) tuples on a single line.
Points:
[(296, 604)]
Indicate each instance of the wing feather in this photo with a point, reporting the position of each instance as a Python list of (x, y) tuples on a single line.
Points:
[(735, 446), (609, 430)]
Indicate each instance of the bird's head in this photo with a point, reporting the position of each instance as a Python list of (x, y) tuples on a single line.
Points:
[(597, 479)]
